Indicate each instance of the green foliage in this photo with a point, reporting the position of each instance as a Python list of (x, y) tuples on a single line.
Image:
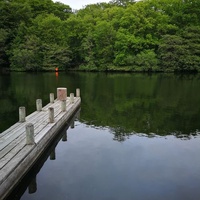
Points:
[(48, 28), (3, 47), (146, 60), (88, 50), (147, 35), (122, 2), (26, 56), (181, 53), (170, 51), (104, 37), (56, 56)]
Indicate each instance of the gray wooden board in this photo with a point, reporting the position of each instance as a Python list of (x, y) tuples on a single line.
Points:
[(38, 117), (18, 143), (39, 125), (15, 152), (13, 127), (28, 118)]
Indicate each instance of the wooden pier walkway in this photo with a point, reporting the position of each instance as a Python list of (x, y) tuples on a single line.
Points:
[(17, 155)]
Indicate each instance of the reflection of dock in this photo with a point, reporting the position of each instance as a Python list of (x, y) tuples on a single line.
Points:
[(24, 142)]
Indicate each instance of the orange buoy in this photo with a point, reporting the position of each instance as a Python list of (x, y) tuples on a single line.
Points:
[(56, 69)]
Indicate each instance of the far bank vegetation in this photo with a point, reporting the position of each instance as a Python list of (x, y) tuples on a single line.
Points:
[(149, 35)]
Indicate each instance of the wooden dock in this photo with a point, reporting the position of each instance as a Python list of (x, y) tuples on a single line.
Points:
[(17, 153)]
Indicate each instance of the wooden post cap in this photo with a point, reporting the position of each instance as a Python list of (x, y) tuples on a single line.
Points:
[(61, 94)]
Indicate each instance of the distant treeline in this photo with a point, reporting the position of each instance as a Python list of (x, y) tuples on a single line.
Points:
[(149, 35)]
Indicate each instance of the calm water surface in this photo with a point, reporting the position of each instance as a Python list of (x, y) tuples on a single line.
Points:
[(137, 136)]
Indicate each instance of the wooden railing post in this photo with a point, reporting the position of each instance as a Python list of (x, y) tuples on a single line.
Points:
[(30, 134), (78, 92), (22, 114), (63, 105), (51, 96), (61, 93), (71, 97), (51, 115), (39, 104)]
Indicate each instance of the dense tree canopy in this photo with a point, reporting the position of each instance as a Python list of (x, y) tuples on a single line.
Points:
[(149, 35)]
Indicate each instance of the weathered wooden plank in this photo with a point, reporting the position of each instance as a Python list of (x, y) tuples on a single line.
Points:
[(12, 153), (13, 127), (45, 108), (33, 115), (12, 145), (37, 127), (47, 131), (37, 117), (20, 157)]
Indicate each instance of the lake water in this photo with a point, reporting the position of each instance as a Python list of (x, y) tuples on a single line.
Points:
[(137, 136)]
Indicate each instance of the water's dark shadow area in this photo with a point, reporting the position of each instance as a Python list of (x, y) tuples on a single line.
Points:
[(138, 136), (161, 104)]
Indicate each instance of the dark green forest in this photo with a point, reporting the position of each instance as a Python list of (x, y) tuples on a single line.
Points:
[(122, 35)]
